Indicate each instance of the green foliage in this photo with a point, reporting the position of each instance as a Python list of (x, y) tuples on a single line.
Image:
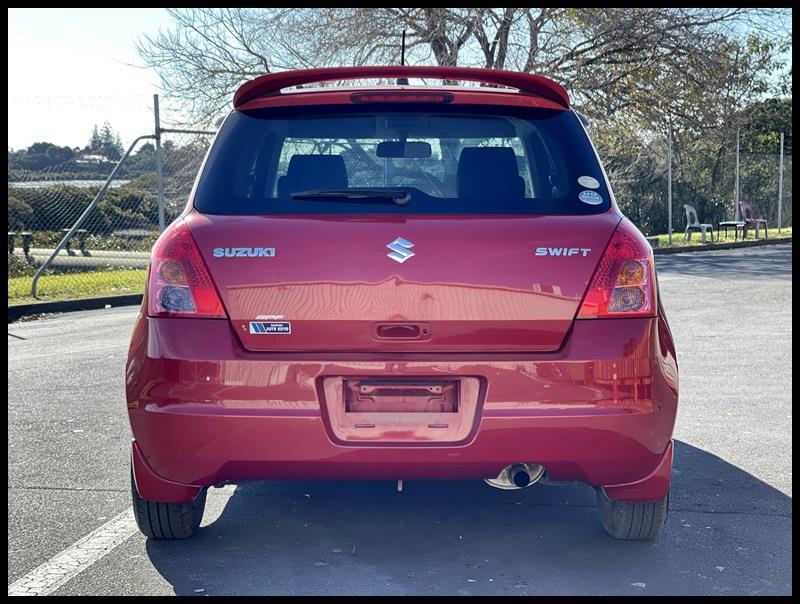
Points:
[(19, 213), (59, 206), (47, 213), (40, 156), (767, 119), (19, 267), (143, 161), (146, 181)]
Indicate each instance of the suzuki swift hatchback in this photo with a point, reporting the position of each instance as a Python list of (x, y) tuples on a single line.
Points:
[(402, 282)]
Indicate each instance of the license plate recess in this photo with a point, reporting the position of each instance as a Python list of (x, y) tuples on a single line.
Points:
[(401, 396), (404, 410)]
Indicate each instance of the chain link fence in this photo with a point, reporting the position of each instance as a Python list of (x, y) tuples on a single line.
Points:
[(108, 253), (708, 183)]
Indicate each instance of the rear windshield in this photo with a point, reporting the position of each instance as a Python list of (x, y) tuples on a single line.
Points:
[(452, 160)]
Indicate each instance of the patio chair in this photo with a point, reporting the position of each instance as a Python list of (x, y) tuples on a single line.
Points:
[(726, 224), (749, 218), (693, 224)]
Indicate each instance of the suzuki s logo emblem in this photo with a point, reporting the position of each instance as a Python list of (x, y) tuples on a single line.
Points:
[(400, 250)]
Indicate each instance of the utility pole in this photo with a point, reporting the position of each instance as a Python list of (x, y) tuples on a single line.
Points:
[(736, 182), (780, 188), (159, 173), (669, 185)]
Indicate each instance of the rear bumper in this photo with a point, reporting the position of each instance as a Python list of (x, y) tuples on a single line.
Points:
[(205, 411)]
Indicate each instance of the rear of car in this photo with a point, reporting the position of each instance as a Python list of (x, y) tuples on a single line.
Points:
[(402, 282)]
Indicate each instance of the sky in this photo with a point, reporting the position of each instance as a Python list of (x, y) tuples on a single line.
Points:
[(69, 69)]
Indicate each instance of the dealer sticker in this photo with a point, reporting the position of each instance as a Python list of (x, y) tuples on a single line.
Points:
[(589, 182), (590, 197), (270, 327)]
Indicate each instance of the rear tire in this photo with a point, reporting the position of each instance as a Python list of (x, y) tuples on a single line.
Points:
[(159, 520), (632, 520)]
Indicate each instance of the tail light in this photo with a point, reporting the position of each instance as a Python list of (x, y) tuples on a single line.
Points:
[(624, 282), (180, 284)]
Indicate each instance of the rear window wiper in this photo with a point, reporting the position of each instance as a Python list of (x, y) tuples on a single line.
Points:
[(400, 198)]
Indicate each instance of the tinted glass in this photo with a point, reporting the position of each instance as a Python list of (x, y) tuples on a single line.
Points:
[(482, 161)]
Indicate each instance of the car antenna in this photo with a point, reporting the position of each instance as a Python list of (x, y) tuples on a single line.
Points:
[(403, 81)]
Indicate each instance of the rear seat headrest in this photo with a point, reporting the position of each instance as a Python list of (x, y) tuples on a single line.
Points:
[(489, 172), (306, 172)]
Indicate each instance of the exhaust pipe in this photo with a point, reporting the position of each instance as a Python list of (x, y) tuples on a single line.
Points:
[(517, 476)]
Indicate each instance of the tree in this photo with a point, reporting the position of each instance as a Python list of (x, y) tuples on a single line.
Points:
[(19, 213), (766, 120), (104, 141), (40, 156), (611, 59), (95, 142)]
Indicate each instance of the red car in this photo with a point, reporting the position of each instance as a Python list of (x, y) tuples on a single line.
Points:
[(402, 282)]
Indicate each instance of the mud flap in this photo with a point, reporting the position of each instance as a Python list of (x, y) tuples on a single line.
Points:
[(153, 487), (652, 487)]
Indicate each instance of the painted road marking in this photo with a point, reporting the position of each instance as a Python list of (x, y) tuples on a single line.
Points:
[(49, 576)]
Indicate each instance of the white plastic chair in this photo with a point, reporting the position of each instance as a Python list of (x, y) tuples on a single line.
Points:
[(693, 224)]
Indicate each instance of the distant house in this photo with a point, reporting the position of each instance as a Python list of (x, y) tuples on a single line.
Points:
[(90, 159), (133, 233)]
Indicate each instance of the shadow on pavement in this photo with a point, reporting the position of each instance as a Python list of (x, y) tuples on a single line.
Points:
[(727, 533), (769, 262)]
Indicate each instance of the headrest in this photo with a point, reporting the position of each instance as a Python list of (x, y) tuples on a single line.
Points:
[(307, 172), (485, 172)]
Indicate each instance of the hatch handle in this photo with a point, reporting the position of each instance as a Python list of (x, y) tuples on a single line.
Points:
[(401, 331)]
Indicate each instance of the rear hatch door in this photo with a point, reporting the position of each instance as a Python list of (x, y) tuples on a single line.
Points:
[(391, 283)]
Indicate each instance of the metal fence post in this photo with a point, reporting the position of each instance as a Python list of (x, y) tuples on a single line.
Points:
[(669, 185), (83, 216), (159, 173), (780, 188), (736, 181)]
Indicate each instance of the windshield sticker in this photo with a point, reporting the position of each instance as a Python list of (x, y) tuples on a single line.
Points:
[(590, 197), (267, 328), (589, 182)]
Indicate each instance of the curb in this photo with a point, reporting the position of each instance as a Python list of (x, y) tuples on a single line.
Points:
[(721, 246), (18, 311)]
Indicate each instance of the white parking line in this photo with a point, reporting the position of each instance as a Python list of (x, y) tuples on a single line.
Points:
[(49, 576)]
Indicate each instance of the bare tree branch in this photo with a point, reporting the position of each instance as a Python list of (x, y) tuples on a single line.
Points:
[(642, 65)]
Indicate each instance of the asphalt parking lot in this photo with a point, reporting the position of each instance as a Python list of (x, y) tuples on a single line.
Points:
[(729, 529)]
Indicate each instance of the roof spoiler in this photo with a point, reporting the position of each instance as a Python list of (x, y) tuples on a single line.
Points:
[(273, 83)]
